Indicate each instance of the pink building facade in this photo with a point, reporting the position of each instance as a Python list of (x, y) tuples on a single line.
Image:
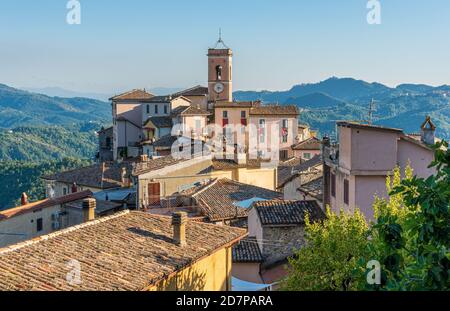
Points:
[(355, 171)]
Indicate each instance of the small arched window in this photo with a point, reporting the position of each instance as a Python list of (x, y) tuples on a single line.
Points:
[(219, 72)]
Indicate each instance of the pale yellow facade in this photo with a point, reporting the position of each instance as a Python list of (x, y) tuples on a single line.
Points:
[(212, 273)]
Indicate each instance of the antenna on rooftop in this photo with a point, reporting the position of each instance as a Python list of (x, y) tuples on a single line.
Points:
[(371, 111), (220, 41)]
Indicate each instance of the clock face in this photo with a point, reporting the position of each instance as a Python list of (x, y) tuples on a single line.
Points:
[(219, 88)]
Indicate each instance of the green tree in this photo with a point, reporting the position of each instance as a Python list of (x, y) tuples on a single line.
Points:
[(331, 255), (412, 233)]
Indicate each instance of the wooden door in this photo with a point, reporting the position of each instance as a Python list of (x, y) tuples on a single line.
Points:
[(154, 194)]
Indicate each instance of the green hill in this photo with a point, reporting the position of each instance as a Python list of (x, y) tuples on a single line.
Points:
[(21, 108), (323, 103)]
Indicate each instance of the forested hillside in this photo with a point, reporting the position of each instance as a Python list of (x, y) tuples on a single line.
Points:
[(324, 103)]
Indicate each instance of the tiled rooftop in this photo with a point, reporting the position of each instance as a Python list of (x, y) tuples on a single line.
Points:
[(159, 122), (20, 210), (313, 188), (128, 251), (309, 144), (216, 199), (291, 169), (194, 91), (133, 95), (287, 212), (247, 251), (274, 110), (93, 176)]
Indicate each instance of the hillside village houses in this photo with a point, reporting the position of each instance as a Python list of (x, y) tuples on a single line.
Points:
[(193, 190), (355, 170)]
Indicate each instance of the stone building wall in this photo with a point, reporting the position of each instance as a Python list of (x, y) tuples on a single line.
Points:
[(281, 242)]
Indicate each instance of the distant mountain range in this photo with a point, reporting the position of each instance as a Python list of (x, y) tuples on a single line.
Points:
[(60, 92), (326, 102), (322, 104), (22, 108)]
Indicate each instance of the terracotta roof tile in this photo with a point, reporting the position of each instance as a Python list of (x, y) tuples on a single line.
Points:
[(309, 144), (194, 91), (216, 199), (128, 251), (20, 210), (94, 176), (247, 251), (287, 212), (288, 172), (274, 110), (133, 95), (313, 188), (156, 164), (159, 122)]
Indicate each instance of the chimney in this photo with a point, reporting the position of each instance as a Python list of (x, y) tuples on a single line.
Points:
[(74, 188), (179, 220), (144, 158), (24, 199), (124, 176), (88, 207), (428, 130)]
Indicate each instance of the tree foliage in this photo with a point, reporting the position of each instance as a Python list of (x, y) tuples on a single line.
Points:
[(410, 239), (412, 234), (331, 255)]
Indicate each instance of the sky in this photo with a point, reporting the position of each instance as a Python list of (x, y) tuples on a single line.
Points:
[(125, 44)]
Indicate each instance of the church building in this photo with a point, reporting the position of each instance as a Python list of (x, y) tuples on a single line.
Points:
[(145, 124)]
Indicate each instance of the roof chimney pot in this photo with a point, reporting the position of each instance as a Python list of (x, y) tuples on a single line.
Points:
[(24, 199), (88, 205), (179, 220)]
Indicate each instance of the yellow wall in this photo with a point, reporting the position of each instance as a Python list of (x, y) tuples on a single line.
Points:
[(212, 273), (262, 177)]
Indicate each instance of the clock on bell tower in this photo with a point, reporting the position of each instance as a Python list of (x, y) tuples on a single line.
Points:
[(220, 84)]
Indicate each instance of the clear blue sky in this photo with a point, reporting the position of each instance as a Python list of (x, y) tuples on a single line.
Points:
[(147, 43)]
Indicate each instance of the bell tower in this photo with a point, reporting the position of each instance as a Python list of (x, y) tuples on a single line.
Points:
[(220, 65)]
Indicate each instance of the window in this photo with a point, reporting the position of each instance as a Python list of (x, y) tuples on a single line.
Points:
[(262, 131), (243, 118), (165, 109), (346, 191), (225, 118), (283, 155), (284, 131), (39, 225), (156, 109), (218, 72), (64, 191), (333, 185), (307, 156), (148, 109), (108, 142)]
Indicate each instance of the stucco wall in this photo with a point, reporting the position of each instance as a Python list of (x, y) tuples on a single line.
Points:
[(273, 133), (212, 273), (290, 190), (248, 272), (24, 227), (418, 157), (366, 189), (373, 150)]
